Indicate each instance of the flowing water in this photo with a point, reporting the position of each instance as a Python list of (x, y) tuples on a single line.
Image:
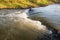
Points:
[(50, 16), (50, 13), (15, 24)]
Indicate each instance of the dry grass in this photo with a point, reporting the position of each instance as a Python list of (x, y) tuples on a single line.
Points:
[(23, 3)]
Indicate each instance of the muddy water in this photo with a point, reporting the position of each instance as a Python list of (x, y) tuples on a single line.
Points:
[(14, 25)]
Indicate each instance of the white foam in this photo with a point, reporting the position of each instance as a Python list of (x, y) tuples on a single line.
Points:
[(17, 16)]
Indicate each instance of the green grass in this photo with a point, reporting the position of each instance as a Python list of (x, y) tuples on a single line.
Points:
[(22, 3)]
